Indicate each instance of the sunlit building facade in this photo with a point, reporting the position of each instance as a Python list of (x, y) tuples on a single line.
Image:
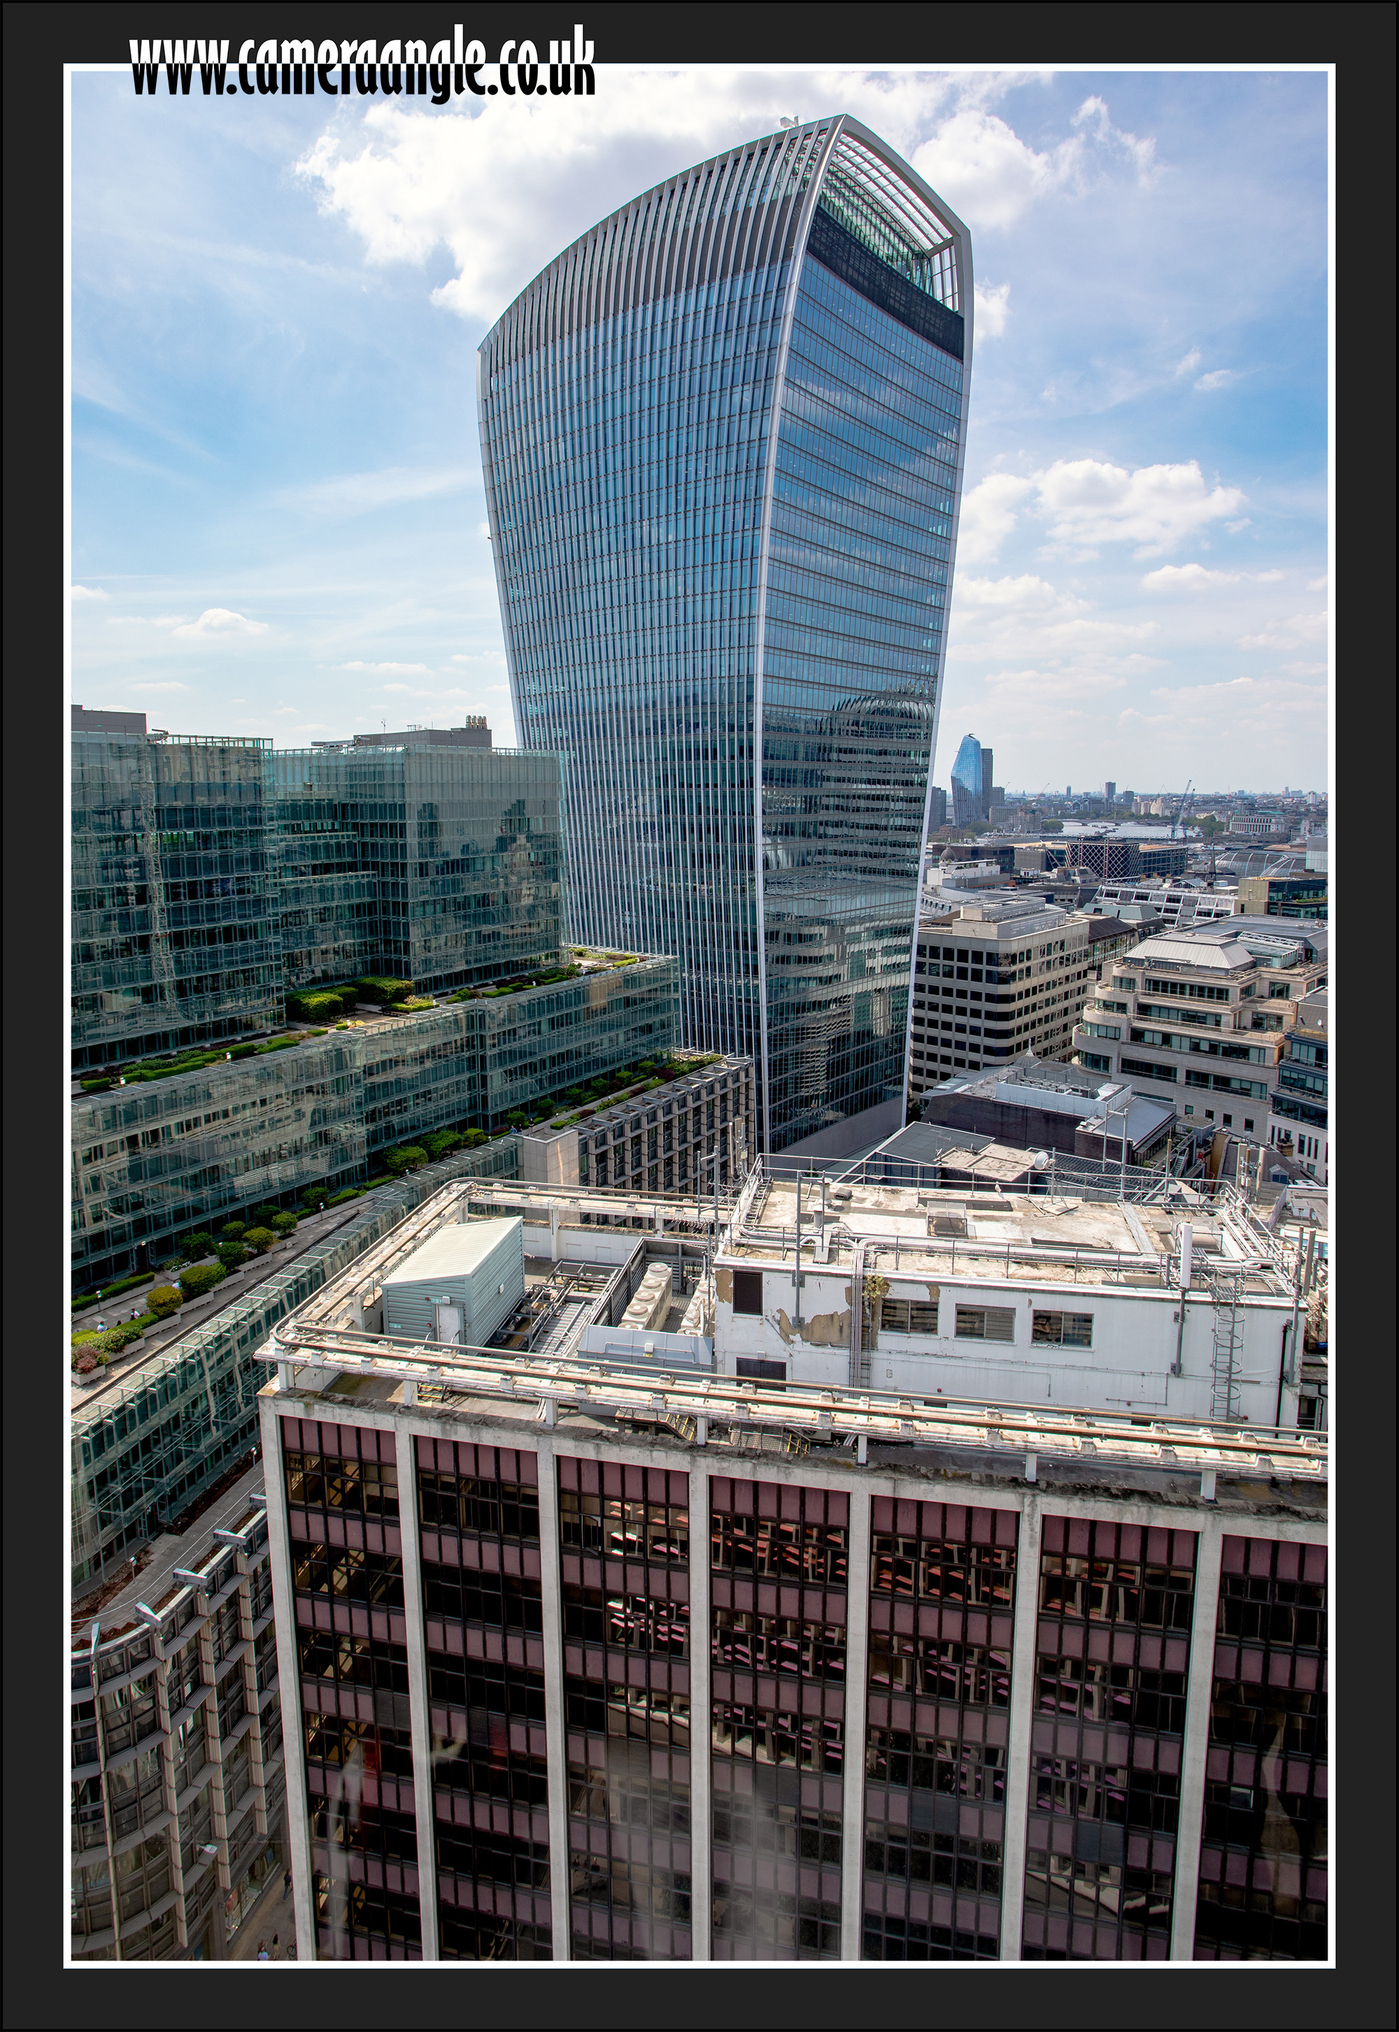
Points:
[(970, 783), (722, 437)]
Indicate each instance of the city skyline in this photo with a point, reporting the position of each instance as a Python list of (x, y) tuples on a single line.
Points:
[(278, 530)]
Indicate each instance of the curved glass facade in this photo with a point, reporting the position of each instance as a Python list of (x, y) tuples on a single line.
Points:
[(969, 788), (722, 439)]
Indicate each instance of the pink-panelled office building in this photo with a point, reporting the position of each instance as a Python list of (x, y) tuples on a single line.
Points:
[(595, 1661)]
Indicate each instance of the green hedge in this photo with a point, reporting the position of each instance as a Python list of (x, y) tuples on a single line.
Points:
[(379, 988), (112, 1341), (111, 1291), (310, 1005), (203, 1277), (164, 1300)]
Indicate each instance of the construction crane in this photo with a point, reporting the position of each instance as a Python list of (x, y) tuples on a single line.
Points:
[(1181, 809)]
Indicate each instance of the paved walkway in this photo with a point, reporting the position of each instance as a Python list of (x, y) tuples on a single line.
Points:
[(273, 1913)]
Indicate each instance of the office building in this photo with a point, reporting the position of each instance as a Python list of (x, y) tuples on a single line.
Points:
[(1109, 793), (157, 1157), (1044, 1104), (1299, 1111), (968, 783), (992, 979), (683, 1136), (937, 809), (178, 1770), (722, 439), (989, 793), (1110, 937), (1201, 1015), (1257, 824), (417, 856), (174, 900), (681, 1664), (1286, 895), (1179, 903), (153, 1433), (211, 875)]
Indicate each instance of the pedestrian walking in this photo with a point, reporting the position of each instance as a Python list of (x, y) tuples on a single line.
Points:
[(276, 1948), (262, 1953), (286, 1883)]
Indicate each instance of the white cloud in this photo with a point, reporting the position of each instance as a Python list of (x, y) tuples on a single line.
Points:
[(221, 621), (991, 177), (481, 656), (1025, 616), (87, 593), (389, 669), (1293, 633), (360, 493), (1189, 363), (1218, 379), (1318, 585), (992, 309), (1305, 669), (1087, 501), (988, 516), (1197, 578), (421, 691), (170, 620), (407, 182)]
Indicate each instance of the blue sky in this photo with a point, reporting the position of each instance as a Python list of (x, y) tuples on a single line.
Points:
[(278, 522)]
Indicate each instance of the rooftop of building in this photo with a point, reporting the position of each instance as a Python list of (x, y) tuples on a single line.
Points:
[(1233, 945), (318, 1355)]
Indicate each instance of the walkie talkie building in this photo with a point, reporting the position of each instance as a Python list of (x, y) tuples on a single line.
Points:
[(722, 437)]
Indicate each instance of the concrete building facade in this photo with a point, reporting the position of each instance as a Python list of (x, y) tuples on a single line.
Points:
[(992, 979), (1201, 1016), (178, 1767)]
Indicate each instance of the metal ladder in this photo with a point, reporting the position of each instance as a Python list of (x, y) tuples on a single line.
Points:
[(1225, 1288), (859, 1364)]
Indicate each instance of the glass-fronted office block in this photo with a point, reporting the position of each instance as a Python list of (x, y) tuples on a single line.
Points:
[(722, 437), (155, 1159), (152, 1161), (442, 865), (174, 909), (969, 788)]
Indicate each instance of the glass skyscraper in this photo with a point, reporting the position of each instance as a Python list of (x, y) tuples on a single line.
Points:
[(722, 437), (970, 786)]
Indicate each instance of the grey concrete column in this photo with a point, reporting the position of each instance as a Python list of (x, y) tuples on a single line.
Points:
[(857, 1647), (420, 1719), (1195, 1749), (288, 1680), (1022, 1716), (556, 1739), (701, 1723)]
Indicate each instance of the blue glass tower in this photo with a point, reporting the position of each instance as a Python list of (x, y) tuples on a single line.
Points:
[(969, 788), (722, 437)]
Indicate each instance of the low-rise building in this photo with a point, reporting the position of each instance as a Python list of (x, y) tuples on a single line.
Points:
[(992, 979), (659, 1138), (1285, 895), (1034, 1104), (1200, 1016), (1180, 903)]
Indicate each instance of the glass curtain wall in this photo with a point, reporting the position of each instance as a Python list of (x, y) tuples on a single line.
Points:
[(722, 438), (174, 938)]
